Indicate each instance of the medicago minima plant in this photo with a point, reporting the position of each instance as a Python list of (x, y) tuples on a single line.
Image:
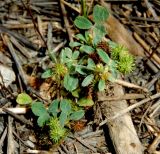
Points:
[(78, 70)]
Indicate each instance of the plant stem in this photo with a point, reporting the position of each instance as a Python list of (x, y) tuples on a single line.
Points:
[(83, 8)]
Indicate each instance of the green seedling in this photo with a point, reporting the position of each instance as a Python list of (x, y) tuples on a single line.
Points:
[(82, 65)]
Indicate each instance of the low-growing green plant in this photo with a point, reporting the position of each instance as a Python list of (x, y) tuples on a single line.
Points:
[(57, 115), (85, 63)]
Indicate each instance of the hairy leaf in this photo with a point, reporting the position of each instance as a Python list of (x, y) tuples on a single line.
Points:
[(87, 80), (82, 23), (80, 37), (77, 115), (87, 49), (63, 118), (100, 14), (48, 73), (43, 119), (24, 99), (75, 55), (99, 31), (101, 85), (75, 93), (103, 55), (38, 108), (91, 65), (85, 102), (65, 106), (53, 108), (70, 83), (74, 44), (80, 69), (68, 52)]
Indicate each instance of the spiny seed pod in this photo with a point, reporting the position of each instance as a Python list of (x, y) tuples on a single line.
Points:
[(56, 131), (118, 52), (126, 64)]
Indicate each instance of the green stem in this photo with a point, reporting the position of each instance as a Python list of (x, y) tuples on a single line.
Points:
[(84, 8), (52, 56)]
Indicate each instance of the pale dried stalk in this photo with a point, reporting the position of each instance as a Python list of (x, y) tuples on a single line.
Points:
[(17, 110), (130, 85), (122, 112)]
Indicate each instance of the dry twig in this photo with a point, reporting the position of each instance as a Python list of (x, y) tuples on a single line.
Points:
[(122, 112)]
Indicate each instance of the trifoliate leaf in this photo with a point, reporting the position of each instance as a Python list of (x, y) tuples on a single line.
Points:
[(82, 23), (100, 14), (24, 99), (101, 85), (54, 107), (87, 80), (70, 83), (48, 73)]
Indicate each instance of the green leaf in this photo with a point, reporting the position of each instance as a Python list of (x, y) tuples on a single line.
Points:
[(91, 65), (80, 69), (77, 115), (65, 55), (65, 106), (38, 108), (85, 102), (68, 52), (23, 99), (82, 23), (75, 55), (114, 75), (100, 14), (53, 108), (87, 49), (101, 85), (62, 56), (103, 55), (74, 44), (70, 83), (43, 119), (111, 77), (112, 44), (48, 73), (75, 93), (63, 118), (80, 37), (87, 80), (99, 31)]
